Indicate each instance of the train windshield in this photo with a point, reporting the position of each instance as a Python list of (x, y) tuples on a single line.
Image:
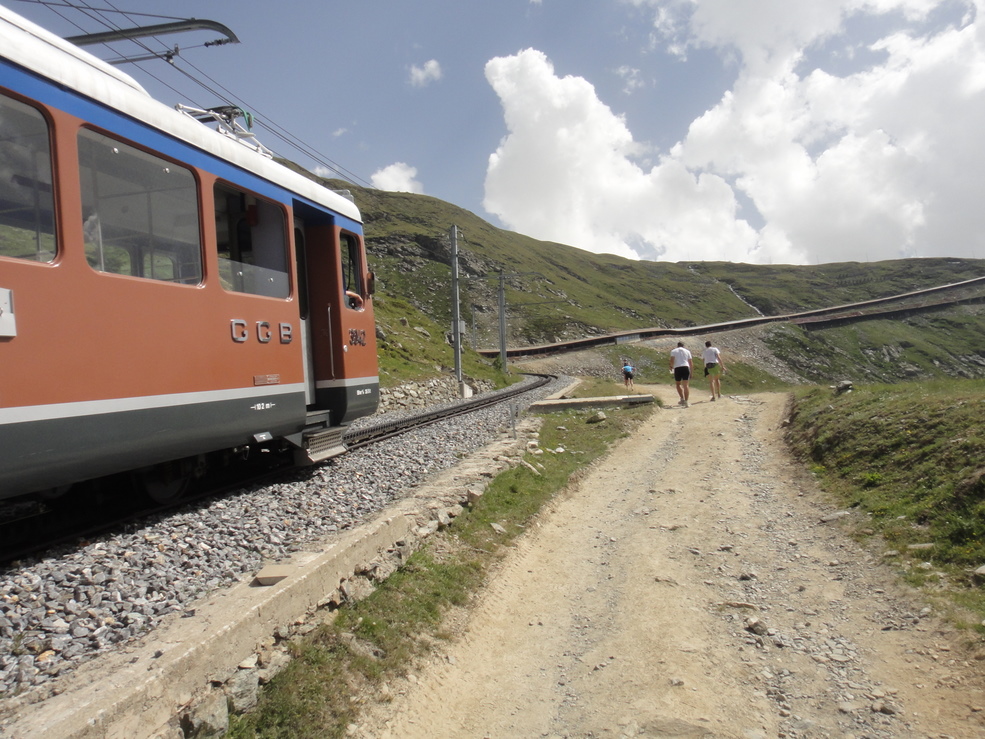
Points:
[(352, 271)]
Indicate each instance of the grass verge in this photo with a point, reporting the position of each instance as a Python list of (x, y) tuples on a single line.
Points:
[(912, 456), (375, 640)]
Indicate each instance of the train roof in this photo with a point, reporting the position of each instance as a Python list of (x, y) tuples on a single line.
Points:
[(42, 52)]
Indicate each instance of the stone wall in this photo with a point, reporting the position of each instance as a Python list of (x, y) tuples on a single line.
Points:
[(420, 395)]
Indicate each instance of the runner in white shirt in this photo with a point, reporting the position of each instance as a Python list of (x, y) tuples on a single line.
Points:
[(682, 366)]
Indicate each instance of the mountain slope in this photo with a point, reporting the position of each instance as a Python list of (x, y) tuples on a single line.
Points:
[(408, 239), (555, 292)]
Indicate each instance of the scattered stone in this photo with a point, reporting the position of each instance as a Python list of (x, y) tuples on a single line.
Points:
[(756, 626), (244, 690), (209, 717), (273, 663), (741, 604)]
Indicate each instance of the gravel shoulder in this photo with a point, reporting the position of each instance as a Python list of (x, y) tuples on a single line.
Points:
[(687, 586)]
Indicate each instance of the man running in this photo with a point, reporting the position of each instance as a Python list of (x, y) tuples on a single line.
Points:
[(682, 366)]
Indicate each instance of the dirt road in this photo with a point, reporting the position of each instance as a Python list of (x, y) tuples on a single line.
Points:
[(688, 586)]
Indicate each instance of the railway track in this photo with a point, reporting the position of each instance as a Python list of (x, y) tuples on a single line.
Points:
[(129, 625), (32, 525), (387, 429)]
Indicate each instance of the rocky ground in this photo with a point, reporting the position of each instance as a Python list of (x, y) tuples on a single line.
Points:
[(695, 584), (95, 597)]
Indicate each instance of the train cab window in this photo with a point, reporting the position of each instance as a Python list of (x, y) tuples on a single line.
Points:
[(27, 223), (354, 290), (140, 212), (252, 241)]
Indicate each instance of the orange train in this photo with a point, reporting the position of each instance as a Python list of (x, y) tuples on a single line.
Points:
[(168, 292)]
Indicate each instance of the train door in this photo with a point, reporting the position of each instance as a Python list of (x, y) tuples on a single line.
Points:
[(304, 308), (316, 253), (334, 289)]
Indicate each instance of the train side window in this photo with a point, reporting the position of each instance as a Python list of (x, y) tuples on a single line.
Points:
[(27, 222), (252, 242), (140, 211), (352, 273)]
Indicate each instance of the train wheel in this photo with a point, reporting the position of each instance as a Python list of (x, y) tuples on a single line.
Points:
[(167, 482)]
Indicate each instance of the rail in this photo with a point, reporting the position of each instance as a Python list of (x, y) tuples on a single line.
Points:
[(387, 429), (31, 525)]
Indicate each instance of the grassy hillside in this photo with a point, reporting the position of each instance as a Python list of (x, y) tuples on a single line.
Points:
[(912, 457), (779, 289), (949, 343), (555, 292), (611, 293)]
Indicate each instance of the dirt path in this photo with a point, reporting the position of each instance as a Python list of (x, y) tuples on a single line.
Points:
[(626, 611)]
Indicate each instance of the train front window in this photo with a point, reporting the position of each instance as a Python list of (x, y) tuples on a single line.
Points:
[(252, 241), (140, 212), (27, 223), (352, 273)]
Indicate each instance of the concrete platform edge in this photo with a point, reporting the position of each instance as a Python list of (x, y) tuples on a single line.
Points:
[(143, 690)]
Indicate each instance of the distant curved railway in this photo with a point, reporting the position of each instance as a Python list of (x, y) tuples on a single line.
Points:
[(892, 306)]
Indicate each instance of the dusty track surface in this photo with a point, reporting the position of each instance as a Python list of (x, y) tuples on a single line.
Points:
[(687, 586)]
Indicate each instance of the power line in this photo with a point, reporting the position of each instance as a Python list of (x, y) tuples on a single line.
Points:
[(281, 133), (128, 13), (216, 89)]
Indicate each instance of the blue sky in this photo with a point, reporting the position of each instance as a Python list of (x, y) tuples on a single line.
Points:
[(762, 131)]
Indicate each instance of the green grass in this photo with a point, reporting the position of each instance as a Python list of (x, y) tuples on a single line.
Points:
[(912, 456), (921, 347), (779, 289), (414, 348), (376, 640)]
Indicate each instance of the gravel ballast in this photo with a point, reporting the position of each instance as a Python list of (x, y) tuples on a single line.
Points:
[(70, 606)]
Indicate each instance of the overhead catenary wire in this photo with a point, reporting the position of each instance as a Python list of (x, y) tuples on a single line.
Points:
[(216, 89)]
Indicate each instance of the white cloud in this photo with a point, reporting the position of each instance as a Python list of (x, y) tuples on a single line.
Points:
[(632, 79), (876, 164), (397, 177), (565, 173), (423, 76)]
